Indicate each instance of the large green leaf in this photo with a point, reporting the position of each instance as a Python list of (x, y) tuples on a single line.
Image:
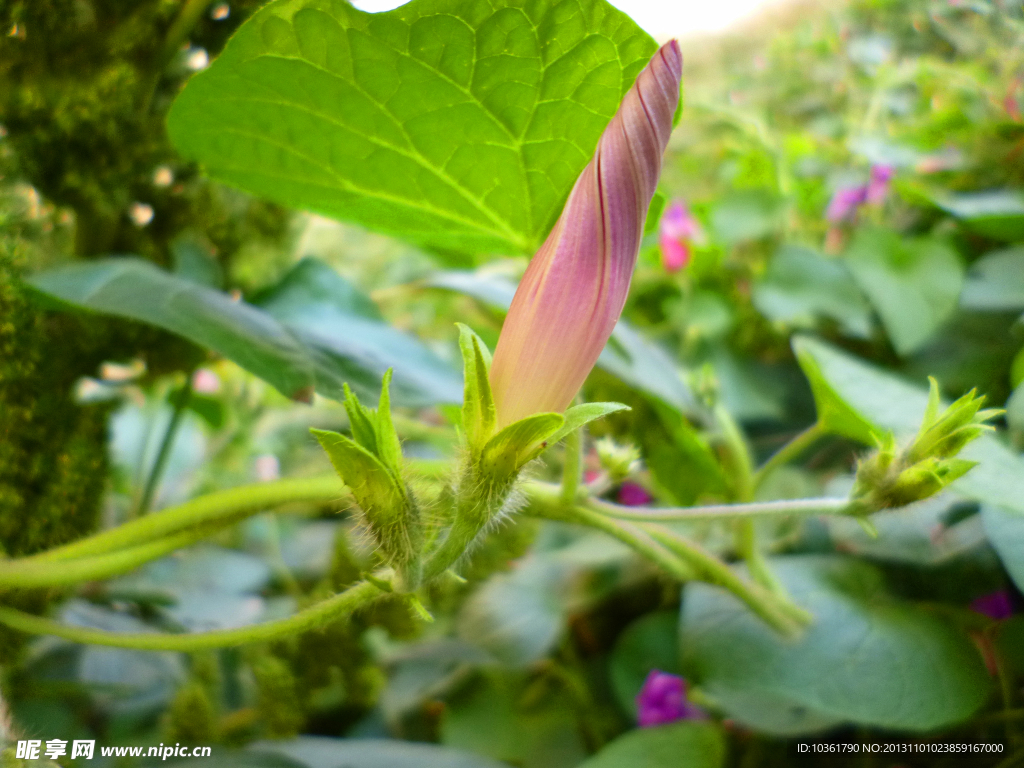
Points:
[(996, 282), (135, 289), (693, 745), (326, 752), (311, 331), (454, 124), (801, 287), (350, 342), (913, 283), (866, 658), (997, 213), (857, 400)]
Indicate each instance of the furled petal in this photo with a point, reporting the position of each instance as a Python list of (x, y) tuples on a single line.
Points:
[(575, 287)]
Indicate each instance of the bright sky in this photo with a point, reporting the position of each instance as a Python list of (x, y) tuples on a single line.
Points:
[(663, 19)]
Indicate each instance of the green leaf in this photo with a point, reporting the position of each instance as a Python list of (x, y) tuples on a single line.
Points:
[(1005, 531), (517, 617), (654, 211), (997, 213), (520, 442), (801, 287), (581, 415), (858, 400), (135, 289), (693, 745), (456, 125), (374, 488), (996, 282), (324, 752), (649, 643), (913, 283), (311, 330), (478, 412), (748, 214), (350, 342), (866, 658)]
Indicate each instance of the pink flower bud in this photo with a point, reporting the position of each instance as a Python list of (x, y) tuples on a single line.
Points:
[(845, 202), (575, 287)]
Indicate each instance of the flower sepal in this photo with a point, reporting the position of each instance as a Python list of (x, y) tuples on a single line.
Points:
[(370, 464), (892, 477)]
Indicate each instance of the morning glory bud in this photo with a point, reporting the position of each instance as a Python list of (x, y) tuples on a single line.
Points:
[(575, 287)]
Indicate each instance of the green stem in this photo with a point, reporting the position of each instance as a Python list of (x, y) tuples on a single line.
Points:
[(789, 452), (756, 509), (342, 604), (786, 618), (157, 470), (180, 30), (573, 470), (737, 458), (222, 508), (26, 573), (635, 538)]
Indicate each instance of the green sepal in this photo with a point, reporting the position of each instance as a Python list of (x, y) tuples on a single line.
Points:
[(581, 415), (389, 447), (371, 483), (519, 443), (478, 413)]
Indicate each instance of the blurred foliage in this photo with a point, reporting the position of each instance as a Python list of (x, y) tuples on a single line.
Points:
[(536, 659)]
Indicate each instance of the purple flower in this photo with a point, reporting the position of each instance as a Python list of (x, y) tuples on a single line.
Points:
[(845, 202), (633, 495), (678, 228), (996, 605), (878, 187), (662, 699)]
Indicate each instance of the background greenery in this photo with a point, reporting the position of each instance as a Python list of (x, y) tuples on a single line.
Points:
[(536, 659)]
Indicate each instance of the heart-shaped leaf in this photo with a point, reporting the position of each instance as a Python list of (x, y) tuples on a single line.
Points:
[(694, 745), (913, 283), (454, 124), (866, 658)]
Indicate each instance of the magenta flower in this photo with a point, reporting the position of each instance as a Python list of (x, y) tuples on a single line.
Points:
[(845, 202), (996, 605), (878, 187), (677, 231), (662, 699), (633, 495), (575, 287)]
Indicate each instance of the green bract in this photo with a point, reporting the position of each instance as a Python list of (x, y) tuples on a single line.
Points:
[(457, 125), (370, 464)]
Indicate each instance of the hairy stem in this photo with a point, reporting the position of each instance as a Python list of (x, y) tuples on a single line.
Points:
[(343, 604), (220, 508), (573, 469), (781, 615), (756, 509)]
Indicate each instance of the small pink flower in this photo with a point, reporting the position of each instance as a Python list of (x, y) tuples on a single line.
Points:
[(677, 231), (845, 202), (996, 605), (633, 495), (662, 699), (267, 468), (878, 187), (205, 382)]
